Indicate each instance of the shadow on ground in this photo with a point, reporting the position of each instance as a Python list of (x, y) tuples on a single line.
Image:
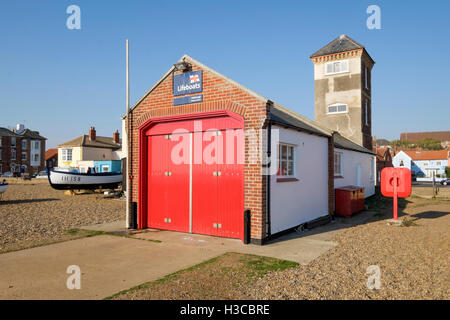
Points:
[(20, 201)]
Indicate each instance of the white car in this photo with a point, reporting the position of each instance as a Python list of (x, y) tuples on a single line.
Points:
[(42, 175)]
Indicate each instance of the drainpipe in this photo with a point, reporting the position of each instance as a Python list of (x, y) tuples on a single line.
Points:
[(268, 180)]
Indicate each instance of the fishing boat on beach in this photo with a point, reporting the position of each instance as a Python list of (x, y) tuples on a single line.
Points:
[(3, 187), (73, 180)]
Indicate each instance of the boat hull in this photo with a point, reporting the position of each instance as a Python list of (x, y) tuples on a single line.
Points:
[(83, 181), (3, 187)]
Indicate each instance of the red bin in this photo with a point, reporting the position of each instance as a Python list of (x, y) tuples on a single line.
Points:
[(349, 200)]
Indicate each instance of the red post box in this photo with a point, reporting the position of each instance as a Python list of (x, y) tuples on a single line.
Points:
[(396, 182)]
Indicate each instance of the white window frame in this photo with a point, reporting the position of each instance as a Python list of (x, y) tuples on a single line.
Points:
[(334, 63), (13, 153), (293, 161), (24, 153), (13, 142), (36, 157), (37, 145), (341, 161), (336, 105), (65, 154), (24, 144), (105, 167), (366, 76), (1, 141)]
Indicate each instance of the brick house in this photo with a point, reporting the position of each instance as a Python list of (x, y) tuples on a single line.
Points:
[(286, 177), (51, 158), (21, 150)]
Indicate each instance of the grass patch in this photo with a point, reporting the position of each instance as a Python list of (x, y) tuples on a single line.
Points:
[(228, 272), (409, 222), (91, 233)]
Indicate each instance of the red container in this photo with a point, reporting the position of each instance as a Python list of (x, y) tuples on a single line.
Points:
[(349, 200)]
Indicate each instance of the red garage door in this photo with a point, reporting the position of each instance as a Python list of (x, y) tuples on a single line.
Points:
[(196, 178)]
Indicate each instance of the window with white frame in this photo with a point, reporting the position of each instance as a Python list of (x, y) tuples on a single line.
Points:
[(13, 142), (36, 157), (366, 77), (1, 141), (336, 67), (36, 145), (338, 157), (0, 155), (24, 144), (286, 160), (337, 108), (105, 168), (66, 154), (13, 154), (24, 156)]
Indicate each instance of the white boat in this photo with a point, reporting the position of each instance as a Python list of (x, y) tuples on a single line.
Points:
[(66, 180), (3, 187)]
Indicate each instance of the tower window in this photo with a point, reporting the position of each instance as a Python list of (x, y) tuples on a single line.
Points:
[(337, 108), (366, 112), (336, 67)]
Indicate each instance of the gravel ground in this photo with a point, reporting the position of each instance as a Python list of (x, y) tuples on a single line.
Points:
[(413, 260), (32, 213)]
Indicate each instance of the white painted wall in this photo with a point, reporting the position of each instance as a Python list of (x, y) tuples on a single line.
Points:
[(399, 157), (351, 161), (297, 202), (35, 152)]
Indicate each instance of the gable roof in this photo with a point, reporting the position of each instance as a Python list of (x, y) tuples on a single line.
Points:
[(344, 143), (32, 134), (340, 44), (99, 142), (427, 154), (51, 153), (8, 133), (191, 60)]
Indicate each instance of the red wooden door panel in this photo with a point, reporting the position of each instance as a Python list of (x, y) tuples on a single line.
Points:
[(157, 182), (230, 188), (204, 192), (168, 187)]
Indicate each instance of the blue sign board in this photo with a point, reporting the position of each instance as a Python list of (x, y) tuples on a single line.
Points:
[(187, 100), (187, 83)]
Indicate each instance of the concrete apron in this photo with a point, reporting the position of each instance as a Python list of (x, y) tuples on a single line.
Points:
[(110, 264)]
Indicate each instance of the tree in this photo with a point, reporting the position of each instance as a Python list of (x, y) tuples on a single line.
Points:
[(447, 171)]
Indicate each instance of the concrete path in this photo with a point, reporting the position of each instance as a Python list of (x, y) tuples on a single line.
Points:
[(110, 264)]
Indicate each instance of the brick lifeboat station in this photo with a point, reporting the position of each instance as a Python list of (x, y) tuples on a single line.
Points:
[(206, 151)]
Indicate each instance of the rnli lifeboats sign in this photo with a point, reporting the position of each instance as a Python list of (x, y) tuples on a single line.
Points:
[(187, 83)]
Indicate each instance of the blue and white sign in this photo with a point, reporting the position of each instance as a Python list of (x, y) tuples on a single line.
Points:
[(186, 83), (187, 100)]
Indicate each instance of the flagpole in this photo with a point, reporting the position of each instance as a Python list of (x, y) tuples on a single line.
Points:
[(128, 137)]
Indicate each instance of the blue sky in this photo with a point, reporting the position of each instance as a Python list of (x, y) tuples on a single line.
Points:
[(60, 81)]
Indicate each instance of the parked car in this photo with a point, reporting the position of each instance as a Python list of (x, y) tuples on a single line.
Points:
[(42, 175), (445, 182), (8, 174)]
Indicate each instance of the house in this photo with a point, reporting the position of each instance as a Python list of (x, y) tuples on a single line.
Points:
[(424, 164), (21, 150), (413, 137), (384, 156), (205, 149), (89, 148), (51, 158)]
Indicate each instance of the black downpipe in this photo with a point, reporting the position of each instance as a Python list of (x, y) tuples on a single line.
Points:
[(247, 226), (269, 153), (133, 218)]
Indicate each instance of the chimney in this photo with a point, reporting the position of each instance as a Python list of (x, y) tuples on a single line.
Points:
[(116, 136), (92, 134), (19, 128)]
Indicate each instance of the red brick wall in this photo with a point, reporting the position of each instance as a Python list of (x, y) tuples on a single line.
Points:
[(218, 94)]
